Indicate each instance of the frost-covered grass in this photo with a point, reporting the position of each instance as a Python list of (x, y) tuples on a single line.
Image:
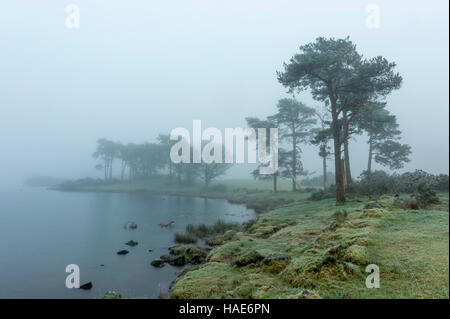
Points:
[(305, 250)]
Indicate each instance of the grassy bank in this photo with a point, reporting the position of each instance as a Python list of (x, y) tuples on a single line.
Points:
[(307, 250)]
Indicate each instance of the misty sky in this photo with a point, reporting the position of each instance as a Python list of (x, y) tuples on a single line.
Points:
[(138, 68)]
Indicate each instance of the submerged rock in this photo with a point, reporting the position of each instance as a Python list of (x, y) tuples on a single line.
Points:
[(131, 243), (122, 252), (86, 286), (158, 263)]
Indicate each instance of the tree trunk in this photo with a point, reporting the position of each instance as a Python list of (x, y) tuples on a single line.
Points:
[(348, 175), (369, 162), (339, 178), (325, 178)]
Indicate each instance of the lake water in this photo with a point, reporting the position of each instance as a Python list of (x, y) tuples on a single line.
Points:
[(42, 231)]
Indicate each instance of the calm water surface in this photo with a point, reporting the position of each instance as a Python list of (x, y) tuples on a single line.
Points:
[(42, 231)]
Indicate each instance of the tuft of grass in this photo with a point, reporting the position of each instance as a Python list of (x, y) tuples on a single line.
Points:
[(184, 238), (220, 227)]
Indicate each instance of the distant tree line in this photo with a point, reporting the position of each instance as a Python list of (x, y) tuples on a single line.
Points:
[(140, 161)]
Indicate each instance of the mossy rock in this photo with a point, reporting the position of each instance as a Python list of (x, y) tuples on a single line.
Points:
[(112, 295), (247, 258), (192, 254), (356, 254)]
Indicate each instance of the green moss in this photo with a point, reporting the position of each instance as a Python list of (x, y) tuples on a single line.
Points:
[(112, 295), (247, 258)]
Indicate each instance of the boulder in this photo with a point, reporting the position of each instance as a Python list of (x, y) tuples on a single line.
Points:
[(158, 263), (86, 286), (177, 261), (166, 258)]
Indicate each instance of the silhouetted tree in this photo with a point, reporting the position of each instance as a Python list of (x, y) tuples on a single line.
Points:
[(339, 76)]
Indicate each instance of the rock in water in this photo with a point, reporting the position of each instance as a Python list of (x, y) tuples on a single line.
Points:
[(130, 225), (131, 243), (167, 225), (86, 286), (166, 258), (122, 252), (177, 261), (158, 263)]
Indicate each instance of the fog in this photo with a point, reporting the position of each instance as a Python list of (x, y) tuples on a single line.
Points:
[(136, 69)]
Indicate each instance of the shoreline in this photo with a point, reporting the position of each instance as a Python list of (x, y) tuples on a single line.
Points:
[(299, 248)]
